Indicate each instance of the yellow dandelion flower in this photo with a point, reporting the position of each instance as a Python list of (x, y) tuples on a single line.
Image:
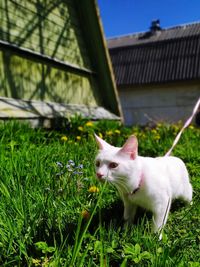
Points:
[(117, 131), (80, 128), (89, 124), (93, 189), (109, 132), (78, 138), (85, 214), (159, 125), (175, 127), (36, 262), (64, 138), (157, 137), (191, 127), (100, 135)]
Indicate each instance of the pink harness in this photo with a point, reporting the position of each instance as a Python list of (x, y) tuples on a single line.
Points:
[(140, 184)]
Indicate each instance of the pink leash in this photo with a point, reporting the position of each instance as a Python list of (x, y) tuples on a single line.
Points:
[(187, 123)]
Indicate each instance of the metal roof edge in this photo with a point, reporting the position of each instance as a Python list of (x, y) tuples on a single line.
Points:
[(142, 32)]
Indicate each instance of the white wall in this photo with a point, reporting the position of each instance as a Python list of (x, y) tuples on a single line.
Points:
[(169, 103)]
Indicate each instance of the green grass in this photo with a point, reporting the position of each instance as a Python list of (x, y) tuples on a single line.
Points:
[(49, 217)]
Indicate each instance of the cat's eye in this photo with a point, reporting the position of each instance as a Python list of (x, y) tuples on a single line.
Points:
[(113, 165), (97, 163)]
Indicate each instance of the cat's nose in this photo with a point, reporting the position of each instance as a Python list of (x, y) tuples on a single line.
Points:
[(99, 175)]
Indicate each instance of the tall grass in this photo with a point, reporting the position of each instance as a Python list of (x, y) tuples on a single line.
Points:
[(53, 212)]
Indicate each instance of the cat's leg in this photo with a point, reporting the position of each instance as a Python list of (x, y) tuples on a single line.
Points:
[(185, 187), (129, 211), (187, 195), (160, 216)]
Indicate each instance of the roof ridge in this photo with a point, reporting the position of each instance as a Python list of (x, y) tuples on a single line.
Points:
[(180, 26)]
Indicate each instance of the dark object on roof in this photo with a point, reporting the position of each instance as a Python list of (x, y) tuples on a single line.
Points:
[(155, 25), (167, 55)]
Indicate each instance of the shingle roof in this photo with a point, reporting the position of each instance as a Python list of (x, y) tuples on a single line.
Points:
[(157, 56)]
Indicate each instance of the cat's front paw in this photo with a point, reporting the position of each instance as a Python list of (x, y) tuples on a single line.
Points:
[(129, 214)]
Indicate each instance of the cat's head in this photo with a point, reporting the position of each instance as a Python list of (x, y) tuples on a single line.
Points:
[(115, 164)]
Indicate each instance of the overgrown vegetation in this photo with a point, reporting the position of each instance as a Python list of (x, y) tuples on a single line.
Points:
[(53, 211)]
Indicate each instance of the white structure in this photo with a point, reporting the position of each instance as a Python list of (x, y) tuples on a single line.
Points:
[(157, 73)]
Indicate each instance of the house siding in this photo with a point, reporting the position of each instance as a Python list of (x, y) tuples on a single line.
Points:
[(26, 79), (50, 29), (158, 103)]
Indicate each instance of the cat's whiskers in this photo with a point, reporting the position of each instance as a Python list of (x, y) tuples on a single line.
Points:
[(121, 185)]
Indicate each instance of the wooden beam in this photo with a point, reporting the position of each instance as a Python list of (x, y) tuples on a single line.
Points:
[(35, 56), (24, 109), (96, 44)]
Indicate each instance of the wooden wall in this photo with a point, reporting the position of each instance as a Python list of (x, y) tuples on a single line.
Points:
[(50, 28)]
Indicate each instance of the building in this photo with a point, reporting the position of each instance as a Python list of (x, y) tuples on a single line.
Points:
[(54, 61), (157, 73)]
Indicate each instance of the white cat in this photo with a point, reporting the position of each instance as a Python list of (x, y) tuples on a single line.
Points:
[(151, 183)]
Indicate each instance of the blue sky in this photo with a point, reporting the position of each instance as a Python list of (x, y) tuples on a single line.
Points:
[(120, 17)]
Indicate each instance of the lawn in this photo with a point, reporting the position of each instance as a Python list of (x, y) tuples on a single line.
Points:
[(53, 211)]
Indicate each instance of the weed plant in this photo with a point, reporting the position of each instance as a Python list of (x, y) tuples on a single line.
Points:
[(53, 211)]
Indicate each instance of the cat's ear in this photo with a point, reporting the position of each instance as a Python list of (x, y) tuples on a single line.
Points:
[(101, 143), (130, 147)]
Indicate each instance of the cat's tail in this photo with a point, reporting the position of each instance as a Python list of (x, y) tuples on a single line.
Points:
[(187, 123)]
